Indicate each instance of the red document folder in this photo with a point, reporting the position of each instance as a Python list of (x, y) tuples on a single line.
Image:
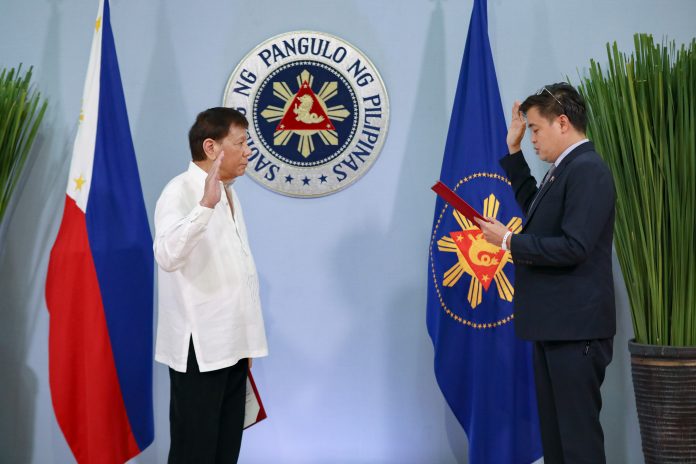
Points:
[(254, 411), (457, 203)]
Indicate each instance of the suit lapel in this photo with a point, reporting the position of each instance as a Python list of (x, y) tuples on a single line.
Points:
[(556, 174), (545, 188)]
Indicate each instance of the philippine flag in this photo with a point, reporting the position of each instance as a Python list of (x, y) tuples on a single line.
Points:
[(100, 279)]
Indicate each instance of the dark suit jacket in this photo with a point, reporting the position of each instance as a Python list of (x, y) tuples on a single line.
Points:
[(563, 280)]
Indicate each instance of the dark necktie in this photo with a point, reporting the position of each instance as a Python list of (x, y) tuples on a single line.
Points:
[(548, 175)]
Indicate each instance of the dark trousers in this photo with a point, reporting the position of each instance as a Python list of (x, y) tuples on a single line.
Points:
[(206, 413), (568, 378)]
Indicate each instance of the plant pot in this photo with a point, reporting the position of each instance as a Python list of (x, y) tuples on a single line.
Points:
[(664, 382)]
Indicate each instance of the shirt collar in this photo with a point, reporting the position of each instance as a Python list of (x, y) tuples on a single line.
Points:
[(200, 175), (196, 171), (568, 150)]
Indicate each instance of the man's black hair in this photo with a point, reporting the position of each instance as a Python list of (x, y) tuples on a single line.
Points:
[(556, 99), (213, 123)]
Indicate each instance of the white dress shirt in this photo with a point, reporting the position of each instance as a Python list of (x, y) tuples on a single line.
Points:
[(567, 151), (208, 286)]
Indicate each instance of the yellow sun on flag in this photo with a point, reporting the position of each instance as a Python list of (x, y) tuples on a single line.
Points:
[(476, 254)]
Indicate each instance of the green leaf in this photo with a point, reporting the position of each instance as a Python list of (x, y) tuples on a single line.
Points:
[(21, 112), (642, 118)]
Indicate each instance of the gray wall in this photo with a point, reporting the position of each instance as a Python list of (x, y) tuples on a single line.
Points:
[(349, 379)]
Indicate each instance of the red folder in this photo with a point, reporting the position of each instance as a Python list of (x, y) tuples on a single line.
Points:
[(254, 411), (457, 203)]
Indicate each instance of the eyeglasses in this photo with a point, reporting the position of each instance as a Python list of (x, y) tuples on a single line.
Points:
[(541, 90)]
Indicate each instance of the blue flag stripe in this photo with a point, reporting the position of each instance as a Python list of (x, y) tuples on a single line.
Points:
[(121, 244)]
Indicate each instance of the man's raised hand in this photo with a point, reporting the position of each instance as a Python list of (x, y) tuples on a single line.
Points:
[(211, 192), (516, 130)]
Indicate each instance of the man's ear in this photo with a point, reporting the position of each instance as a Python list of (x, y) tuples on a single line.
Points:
[(564, 123), (209, 148)]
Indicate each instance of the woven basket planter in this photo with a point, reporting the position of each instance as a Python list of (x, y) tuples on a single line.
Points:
[(664, 381)]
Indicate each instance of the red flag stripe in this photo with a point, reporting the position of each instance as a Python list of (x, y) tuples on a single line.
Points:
[(85, 390)]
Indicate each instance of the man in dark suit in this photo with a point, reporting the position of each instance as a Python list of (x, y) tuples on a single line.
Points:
[(564, 295)]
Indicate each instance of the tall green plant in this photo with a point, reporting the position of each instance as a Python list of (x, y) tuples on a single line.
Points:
[(21, 111), (642, 112)]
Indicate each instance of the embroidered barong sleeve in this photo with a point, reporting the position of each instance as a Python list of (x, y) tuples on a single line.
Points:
[(177, 231)]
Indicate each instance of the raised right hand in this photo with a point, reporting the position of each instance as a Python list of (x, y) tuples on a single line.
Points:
[(211, 192), (516, 130)]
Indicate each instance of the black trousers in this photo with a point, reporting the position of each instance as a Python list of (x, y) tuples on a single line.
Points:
[(568, 376), (206, 413)]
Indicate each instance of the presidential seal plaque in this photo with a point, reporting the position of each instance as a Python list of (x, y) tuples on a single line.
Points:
[(318, 112)]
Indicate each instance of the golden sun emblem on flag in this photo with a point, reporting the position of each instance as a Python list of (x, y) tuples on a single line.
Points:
[(482, 261), (305, 113)]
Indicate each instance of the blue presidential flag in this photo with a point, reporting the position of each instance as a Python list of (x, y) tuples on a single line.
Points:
[(483, 369)]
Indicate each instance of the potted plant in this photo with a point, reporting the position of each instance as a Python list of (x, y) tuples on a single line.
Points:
[(642, 118), (21, 111)]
